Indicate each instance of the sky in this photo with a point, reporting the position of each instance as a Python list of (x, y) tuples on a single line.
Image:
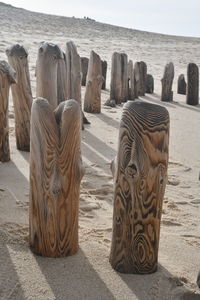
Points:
[(177, 17)]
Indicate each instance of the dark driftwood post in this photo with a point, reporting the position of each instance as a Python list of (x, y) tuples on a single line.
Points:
[(140, 175), (62, 80), (21, 94), (104, 73), (143, 76), (92, 101), (84, 69), (55, 175), (181, 85), (192, 97), (7, 77), (149, 84), (131, 80), (167, 81), (46, 72)]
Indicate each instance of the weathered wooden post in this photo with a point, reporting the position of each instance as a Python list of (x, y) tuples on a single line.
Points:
[(140, 175), (124, 77), (7, 77), (149, 84), (137, 78), (104, 73), (192, 97), (55, 174), (46, 72), (181, 85), (21, 94), (84, 69), (167, 81), (143, 76), (62, 80), (131, 77), (92, 101)]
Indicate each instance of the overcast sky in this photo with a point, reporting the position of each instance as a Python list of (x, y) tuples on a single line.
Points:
[(178, 17)]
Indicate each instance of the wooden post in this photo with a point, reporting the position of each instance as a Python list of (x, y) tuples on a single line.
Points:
[(143, 76), (84, 69), (149, 84), (167, 81), (181, 85), (124, 77), (7, 77), (192, 97), (137, 79), (21, 94), (62, 80), (131, 77), (104, 73), (92, 101), (140, 176), (46, 72), (55, 174)]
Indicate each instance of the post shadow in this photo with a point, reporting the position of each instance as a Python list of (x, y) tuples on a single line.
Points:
[(110, 121)]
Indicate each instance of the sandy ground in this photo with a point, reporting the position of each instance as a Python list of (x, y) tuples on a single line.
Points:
[(88, 275)]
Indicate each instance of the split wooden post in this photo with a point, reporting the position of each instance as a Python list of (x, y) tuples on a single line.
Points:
[(104, 73), (143, 76), (55, 174), (62, 80), (84, 69), (192, 97), (149, 84), (181, 85), (21, 95), (7, 77), (92, 100), (46, 72), (140, 176), (167, 81)]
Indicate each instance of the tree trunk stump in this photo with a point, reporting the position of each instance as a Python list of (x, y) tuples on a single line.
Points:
[(149, 84), (46, 72), (84, 69), (140, 176), (92, 101), (167, 81), (131, 81), (7, 77), (143, 76), (21, 95), (181, 88), (62, 80), (192, 97), (104, 73), (55, 174)]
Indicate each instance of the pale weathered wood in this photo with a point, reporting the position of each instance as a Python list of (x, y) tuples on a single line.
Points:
[(7, 77), (143, 76), (132, 82), (192, 97), (55, 174), (62, 80), (149, 84), (92, 100), (84, 69), (104, 66), (46, 72), (167, 81), (140, 176), (21, 95), (181, 85)]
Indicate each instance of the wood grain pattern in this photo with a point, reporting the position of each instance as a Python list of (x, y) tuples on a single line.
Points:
[(62, 93), (192, 96), (21, 94), (55, 174), (167, 81), (7, 77), (46, 72), (140, 175), (92, 100)]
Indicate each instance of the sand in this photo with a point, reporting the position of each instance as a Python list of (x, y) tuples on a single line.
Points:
[(88, 274)]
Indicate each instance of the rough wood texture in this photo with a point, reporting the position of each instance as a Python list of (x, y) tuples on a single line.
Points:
[(62, 80), (46, 72), (140, 175), (84, 69), (131, 81), (7, 77), (143, 76), (149, 84), (167, 81), (119, 77), (104, 73), (21, 94), (192, 97), (137, 79), (92, 100), (181, 85), (55, 175)]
